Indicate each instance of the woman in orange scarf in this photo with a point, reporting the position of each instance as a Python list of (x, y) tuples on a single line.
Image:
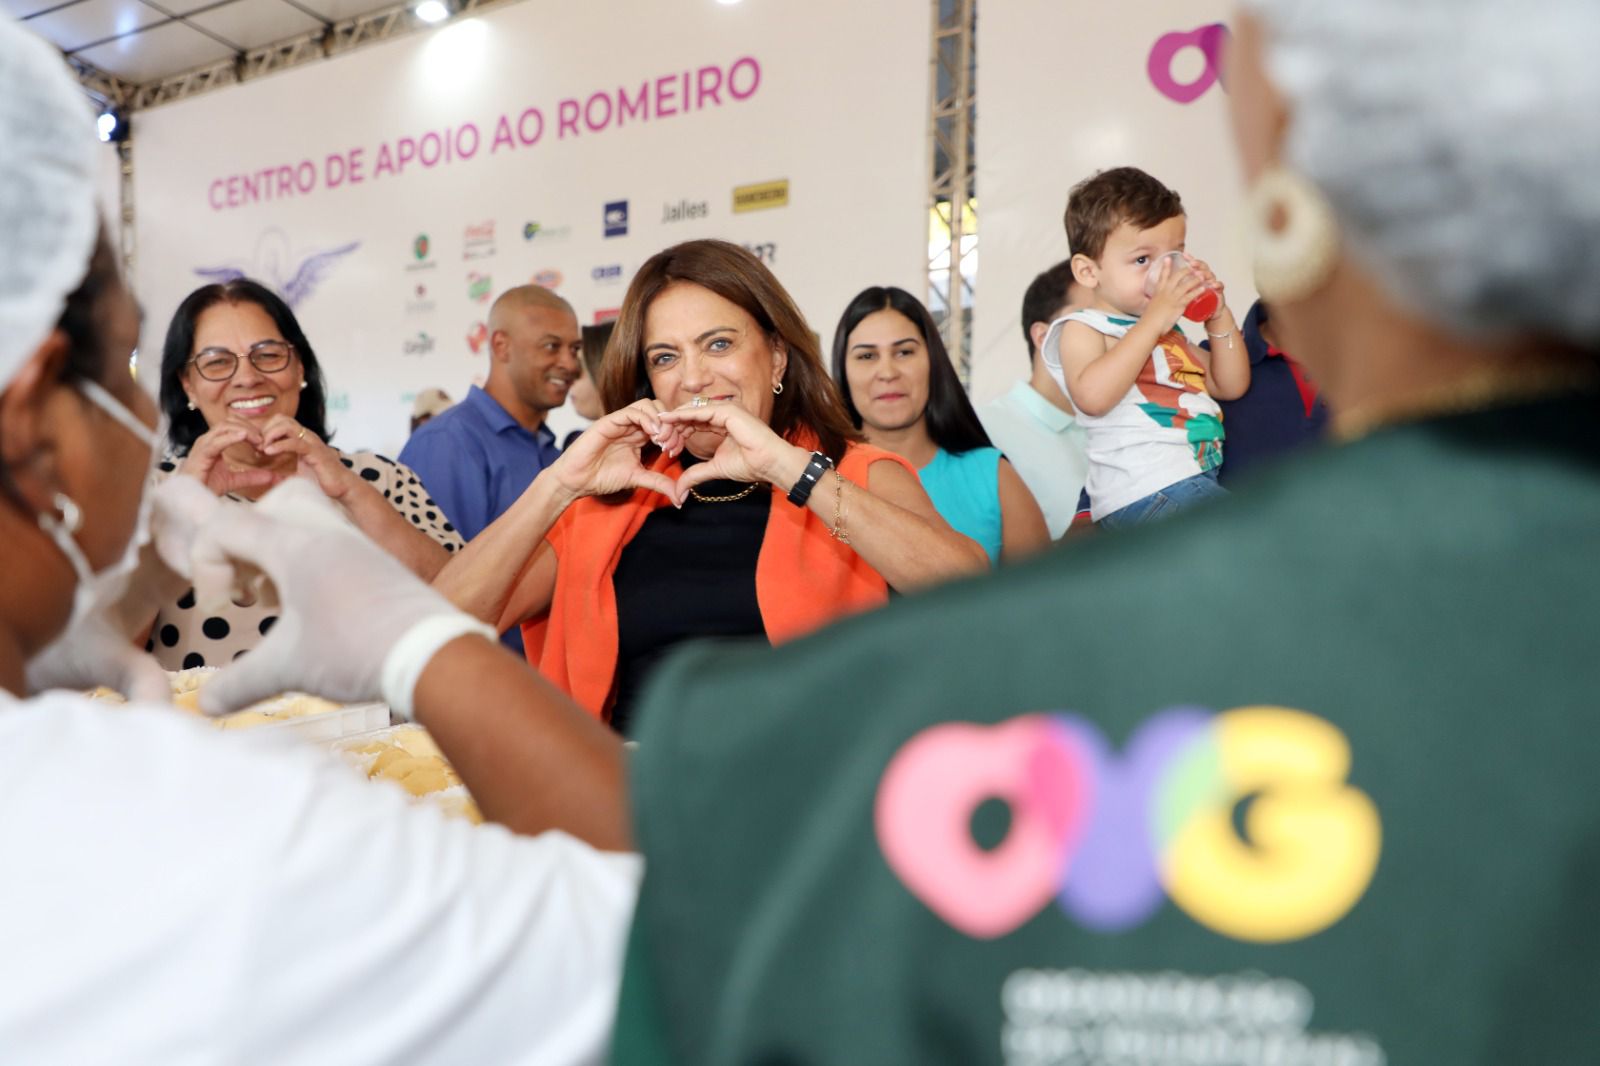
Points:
[(726, 494)]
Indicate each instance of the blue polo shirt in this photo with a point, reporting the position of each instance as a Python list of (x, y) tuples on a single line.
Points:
[(475, 460), (1273, 416)]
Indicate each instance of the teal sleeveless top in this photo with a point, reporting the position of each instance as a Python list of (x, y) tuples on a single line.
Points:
[(965, 490)]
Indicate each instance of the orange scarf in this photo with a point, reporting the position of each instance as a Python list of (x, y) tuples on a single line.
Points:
[(804, 579)]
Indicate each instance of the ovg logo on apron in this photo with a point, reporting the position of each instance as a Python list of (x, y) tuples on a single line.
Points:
[(1108, 837)]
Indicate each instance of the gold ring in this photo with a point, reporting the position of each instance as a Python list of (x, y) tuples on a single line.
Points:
[(699, 401), (302, 432)]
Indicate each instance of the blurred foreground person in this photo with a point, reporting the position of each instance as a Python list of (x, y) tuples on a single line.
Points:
[(172, 894)]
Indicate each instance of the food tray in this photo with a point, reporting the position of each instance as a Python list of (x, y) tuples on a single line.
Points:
[(324, 720), (293, 714)]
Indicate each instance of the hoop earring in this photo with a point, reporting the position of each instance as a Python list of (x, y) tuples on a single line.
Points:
[(1295, 236), (777, 390)]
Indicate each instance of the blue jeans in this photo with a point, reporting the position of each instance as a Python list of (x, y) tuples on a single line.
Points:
[(1179, 496)]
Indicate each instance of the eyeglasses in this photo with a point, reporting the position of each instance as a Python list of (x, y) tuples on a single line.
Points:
[(219, 364)]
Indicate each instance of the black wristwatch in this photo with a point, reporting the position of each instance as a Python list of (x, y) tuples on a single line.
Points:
[(820, 464)]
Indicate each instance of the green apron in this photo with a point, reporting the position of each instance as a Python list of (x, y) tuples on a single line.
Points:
[(1303, 777)]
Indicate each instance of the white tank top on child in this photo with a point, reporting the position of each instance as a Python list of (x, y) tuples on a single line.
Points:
[(1167, 428)]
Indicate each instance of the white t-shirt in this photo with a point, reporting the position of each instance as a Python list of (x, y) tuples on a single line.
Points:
[(1166, 428), (170, 894), (1045, 445)]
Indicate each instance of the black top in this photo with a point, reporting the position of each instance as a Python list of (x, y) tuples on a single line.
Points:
[(687, 574)]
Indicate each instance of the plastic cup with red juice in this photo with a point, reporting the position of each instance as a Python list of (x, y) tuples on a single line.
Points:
[(1202, 307)]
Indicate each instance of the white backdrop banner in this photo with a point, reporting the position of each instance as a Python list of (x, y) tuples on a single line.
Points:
[(390, 194), (1069, 89)]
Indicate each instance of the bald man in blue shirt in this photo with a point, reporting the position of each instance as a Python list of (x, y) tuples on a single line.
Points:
[(477, 458)]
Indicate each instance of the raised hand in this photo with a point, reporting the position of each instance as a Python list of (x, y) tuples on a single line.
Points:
[(326, 575), (207, 464), (750, 450), (1176, 286), (607, 458), (314, 459), (1203, 270), (100, 647), (92, 653)]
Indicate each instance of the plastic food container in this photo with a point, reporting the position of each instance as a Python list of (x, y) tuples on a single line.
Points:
[(292, 714), (346, 721)]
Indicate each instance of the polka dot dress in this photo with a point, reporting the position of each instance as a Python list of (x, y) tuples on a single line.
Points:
[(184, 637)]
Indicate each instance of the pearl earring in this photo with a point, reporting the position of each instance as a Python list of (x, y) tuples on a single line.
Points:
[(71, 518), (191, 405)]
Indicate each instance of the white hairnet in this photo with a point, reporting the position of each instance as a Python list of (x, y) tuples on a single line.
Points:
[(48, 211), (1459, 144)]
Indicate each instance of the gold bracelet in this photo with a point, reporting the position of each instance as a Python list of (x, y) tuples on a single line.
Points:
[(838, 531)]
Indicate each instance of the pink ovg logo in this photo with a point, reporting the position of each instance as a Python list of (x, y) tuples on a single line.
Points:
[(1209, 39), (1108, 838)]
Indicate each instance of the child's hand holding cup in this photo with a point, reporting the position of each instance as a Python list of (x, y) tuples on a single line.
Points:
[(1201, 308)]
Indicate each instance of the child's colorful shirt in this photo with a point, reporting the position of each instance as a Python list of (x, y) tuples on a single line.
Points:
[(1167, 428)]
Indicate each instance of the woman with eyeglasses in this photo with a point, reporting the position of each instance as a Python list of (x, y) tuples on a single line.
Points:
[(245, 398)]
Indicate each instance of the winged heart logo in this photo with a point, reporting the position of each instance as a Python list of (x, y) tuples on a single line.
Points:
[(293, 274)]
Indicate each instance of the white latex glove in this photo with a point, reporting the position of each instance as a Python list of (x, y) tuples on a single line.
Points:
[(355, 624), (92, 653), (99, 649), (183, 506)]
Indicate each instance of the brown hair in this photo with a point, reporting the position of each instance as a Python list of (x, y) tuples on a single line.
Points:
[(1100, 203), (595, 339), (810, 402)]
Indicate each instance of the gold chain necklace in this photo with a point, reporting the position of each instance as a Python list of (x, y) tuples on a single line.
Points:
[(748, 489)]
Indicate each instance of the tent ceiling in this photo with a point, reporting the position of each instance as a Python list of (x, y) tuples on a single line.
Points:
[(144, 41)]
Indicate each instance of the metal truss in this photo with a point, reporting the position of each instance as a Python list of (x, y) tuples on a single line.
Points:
[(953, 216), (125, 197), (334, 39), (107, 90)]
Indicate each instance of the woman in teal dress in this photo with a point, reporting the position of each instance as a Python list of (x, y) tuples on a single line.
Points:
[(903, 394)]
